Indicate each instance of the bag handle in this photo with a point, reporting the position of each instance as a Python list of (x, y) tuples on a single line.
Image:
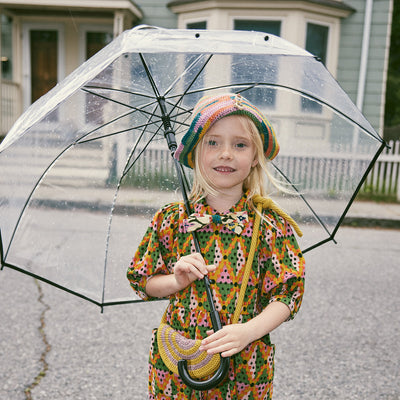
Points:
[(249, 262), (262, 202)]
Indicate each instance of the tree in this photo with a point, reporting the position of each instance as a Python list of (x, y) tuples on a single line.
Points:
[(392, 104)]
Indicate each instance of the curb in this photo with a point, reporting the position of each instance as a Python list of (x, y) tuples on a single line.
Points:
[(366, 222)]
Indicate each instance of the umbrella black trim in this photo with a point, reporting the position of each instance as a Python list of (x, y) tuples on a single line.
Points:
[(355, 193), (58, 286), (166, 119), (367, 171), (97, 303), (2, 262)]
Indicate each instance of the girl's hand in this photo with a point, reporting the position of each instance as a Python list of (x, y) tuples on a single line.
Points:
[(189, 268), (229, 340), (232, 339)]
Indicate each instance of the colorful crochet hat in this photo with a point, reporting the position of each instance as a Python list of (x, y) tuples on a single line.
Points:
[(209, 110)]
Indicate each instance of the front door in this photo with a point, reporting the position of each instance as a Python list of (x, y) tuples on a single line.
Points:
[(43, 65), (44, 59)]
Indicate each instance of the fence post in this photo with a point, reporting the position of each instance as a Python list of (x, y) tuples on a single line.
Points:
[(396, 150)]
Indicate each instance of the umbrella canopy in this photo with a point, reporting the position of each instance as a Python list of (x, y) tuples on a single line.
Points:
[(85, 167)]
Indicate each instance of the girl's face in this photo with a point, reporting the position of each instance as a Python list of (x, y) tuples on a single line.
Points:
[(227, 155)]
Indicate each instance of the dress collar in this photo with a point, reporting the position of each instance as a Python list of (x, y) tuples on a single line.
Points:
[(201, 206)]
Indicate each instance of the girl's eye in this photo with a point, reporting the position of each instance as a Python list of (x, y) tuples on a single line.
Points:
[(241, 145), (211, 142)]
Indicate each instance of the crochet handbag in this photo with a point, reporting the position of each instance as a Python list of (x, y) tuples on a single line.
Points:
[(174, 347)]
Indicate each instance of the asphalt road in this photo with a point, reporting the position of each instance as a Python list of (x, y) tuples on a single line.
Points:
[(344, 344)]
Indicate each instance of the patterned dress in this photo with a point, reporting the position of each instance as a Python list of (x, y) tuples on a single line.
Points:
[(277, 275)]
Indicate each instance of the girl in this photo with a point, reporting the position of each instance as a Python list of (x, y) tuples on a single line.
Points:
[(228, 144)]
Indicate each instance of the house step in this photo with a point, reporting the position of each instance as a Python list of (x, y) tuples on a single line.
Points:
[(83, 166)]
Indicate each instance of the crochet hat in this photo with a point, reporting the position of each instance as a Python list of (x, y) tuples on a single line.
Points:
[(209, 110)]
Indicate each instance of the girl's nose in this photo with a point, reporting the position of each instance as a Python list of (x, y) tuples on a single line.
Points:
[(226, 152)]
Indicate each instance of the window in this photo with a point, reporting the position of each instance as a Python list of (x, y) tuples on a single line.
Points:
[(197, 25), (317, 44), (259, 95), (95, 41), (267, 26), (317, 40), (6, 47)]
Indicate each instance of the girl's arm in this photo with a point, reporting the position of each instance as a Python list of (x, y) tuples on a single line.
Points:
[(232, 339), (186, 270)]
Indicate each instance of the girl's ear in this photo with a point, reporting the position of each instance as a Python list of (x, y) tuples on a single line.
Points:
[(254, 163)]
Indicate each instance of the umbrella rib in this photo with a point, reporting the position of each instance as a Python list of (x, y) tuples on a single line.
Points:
[(119, 90), (177, 79), (169, 133), (303, 198), (367, 171), (1, 252), (181, 96), (134, 109), (141, 152), (114, 133), (114, 89), (319, 244), (250, 85), (114, 202), (377, 137), (116, 101), (185, 71), (33, 190), (150, 77), (135, 147), (31, 193)]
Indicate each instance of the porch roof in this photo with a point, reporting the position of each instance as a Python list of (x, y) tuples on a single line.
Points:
[(94, 7)]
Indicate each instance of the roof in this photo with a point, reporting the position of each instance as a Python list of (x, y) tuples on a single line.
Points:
[(327, 3), (63, 6)]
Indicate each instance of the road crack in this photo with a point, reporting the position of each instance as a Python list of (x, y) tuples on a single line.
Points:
[(47, 346)]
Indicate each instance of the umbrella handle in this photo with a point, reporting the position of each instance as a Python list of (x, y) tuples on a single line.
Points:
[(223, 368), (215, 319), (208, 384)]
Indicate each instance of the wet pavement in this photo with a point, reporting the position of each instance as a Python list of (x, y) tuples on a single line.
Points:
[(344, 343)]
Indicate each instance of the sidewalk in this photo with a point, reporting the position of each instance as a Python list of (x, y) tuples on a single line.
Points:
[(372, 214), (361, 213)]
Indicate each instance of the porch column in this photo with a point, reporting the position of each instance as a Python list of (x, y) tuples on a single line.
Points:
[(118, 23), (1, 80)]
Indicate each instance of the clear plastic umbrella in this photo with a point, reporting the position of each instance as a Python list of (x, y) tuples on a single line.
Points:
[(86, 166)]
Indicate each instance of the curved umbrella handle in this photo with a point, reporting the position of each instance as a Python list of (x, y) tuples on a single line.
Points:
[(223, 368), (210, 383)]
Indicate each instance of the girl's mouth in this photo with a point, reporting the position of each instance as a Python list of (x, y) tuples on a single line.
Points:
[(224, 169)]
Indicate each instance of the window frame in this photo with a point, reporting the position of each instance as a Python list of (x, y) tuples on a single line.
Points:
[(84, 29)]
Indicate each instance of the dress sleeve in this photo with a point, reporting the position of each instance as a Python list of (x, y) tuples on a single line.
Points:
[(285, 267), (154, 254)]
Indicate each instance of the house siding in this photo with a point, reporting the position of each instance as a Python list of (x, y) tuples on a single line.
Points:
[(157, 13), (350, 57)]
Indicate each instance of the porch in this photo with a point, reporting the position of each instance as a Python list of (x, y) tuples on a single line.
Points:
[(10, 105)]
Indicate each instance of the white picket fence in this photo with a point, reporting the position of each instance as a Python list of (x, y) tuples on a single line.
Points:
[(10, 105), (328, 175), (384, 179)]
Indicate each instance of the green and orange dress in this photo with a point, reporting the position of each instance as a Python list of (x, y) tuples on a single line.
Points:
[(277, 275)]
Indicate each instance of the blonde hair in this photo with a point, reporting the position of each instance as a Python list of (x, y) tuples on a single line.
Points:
[(255, 183)]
